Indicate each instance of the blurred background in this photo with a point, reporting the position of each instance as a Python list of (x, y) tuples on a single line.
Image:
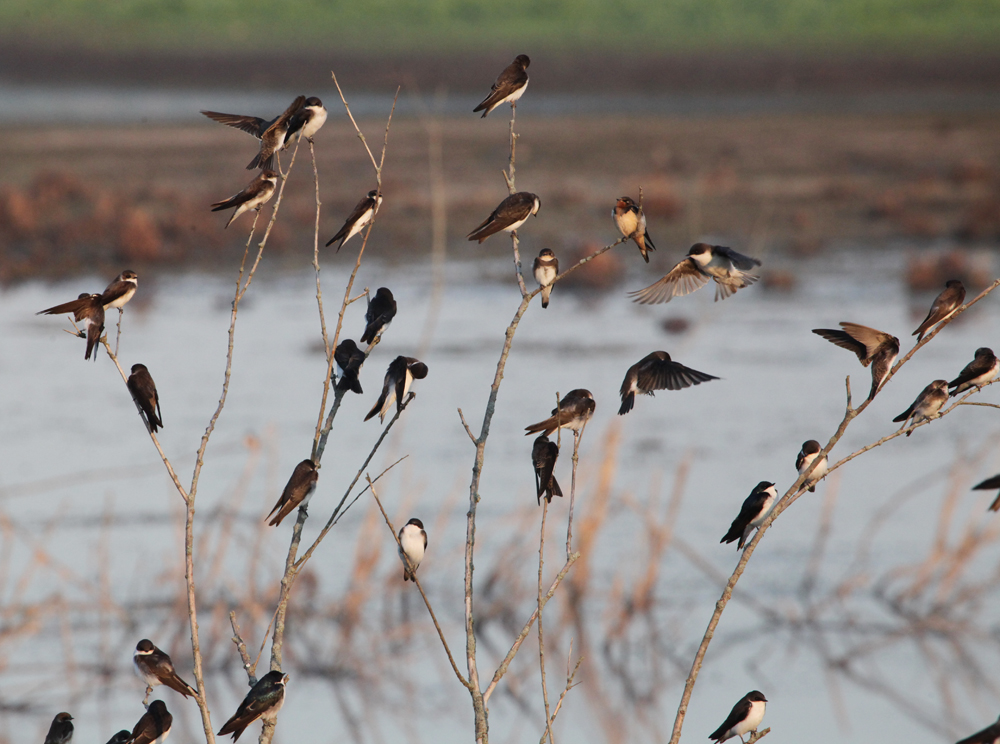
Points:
[(852, 146)]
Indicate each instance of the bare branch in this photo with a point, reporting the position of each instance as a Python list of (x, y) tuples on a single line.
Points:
[(241, 646), (467, 429)]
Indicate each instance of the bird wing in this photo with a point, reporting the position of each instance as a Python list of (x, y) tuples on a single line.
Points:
[(659, 374), (870, 337), (845, 341), (988, 484), (683, 279), (512, 78), (741, 262), (359, 209), (73, 306), (988, 735), (253, 125), (740, 711)]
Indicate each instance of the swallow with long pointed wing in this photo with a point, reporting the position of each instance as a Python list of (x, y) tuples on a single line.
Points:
[(754, 511), (155, 668), (546, 269), (544, 454), (364, 212), (509, 215), (257, 193), (154, 726), (988, 485), (632, 223), (810, 449), (978, 372), (143, 390), (349, 359), (657, 371), (873, 347), (88, 309), (744, 718), (398, 378), (298, 491), (263, 701), (509, 86), (412, 544), (381, 310), (943, 307), (121, 290), (61, 730), (926, 406), (574, 410), (272, 138), (704, 262), (306, 121)]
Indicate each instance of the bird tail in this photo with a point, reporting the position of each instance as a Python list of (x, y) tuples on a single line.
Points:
[(265, 164), (627, 402), (546, 292), (554, 489), (547, 426)]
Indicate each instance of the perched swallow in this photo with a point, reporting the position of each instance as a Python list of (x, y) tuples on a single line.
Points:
[(122, 737), (926, 406), (298, 491), (872, 347), (510, 86), (381, 311), (412, 544), (657, 372), (811, 448), (364, 212), (574, 410), (154, 726), (727, 267), (89, 309), (744, 718), (120, 290), (989, 735), (509, 215), (945, 304), (272, 139), (398, 378), (632, 222), (978, 372), (154, 667), (263, 701), (988, 485), (143, 390), (349, 359), (307, 120), (546, 269), (754, 511), (61, 730), (544, 454), (257, 193)]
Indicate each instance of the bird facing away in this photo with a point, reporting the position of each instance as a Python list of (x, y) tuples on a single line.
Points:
[(509, 215), (154, 726), (122, 737), (544, 454), (381, 310), (154, 667), (811, 448), (546, 269), (143, 390), (120, 290), (944, 306), (632, 223), (61, 730), (88, 309), (412, 544), (364, 212), (926, 406), (398, 378), (257, 193), (988, 485), (754, 511), (298, 491), (349, 359), (978, 372), (703, 262), (657, 372), (872, 347), (744, 718), (263, 701), (509, 86), (989, 735), (573, 412)]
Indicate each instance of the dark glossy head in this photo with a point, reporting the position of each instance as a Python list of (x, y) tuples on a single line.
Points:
[(522, 60), (810, 447), (314, 101), (145, 646), (699, 248), (136, 368), (546, 253), (416, 523), (756, 696)]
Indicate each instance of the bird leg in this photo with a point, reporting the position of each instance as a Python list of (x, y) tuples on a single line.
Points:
[(145, 700)]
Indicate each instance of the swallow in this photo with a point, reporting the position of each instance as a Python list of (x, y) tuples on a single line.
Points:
[(307, 120), (544, 454), (398, 378), (926, 406), (510, 86), (154, 667), (989, 735), (122, 737), (412, 544), (988, 485), (273, 135), (61, 730), (944, 306), (632, 223), (872, 347), (143, 390), (154, 726), (811, 448), (263, 701), (511, 213), (744, 718), (381, 311), (89, 309), (755, 509), (120, 290), (703, 262), (257, 193), (574, 410), (657, 372), (978, 372), (349, 359), (364, 212), (546, 269), (298, 491)]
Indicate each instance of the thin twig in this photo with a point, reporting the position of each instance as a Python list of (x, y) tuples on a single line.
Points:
[(541, 632), (241, 646), (577, 436)]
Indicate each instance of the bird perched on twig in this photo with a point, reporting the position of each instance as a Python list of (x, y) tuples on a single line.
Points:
[(155, 668), (811, 448), (509, 86), (983, 368), (143, 390), (298, 491), (752, 514), (656, 371), (546, 269), (263, 701), (573, 412), (349, 359), (744, 718), (509, 215), (632, 223), (943, 307), (544, 454), (121, 290), (412, 544), (257, 193), (381, 310), (61, 730), (872, 347), (703, 262), (398, 378), (154, 726), (363, 213), (926, 406)]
